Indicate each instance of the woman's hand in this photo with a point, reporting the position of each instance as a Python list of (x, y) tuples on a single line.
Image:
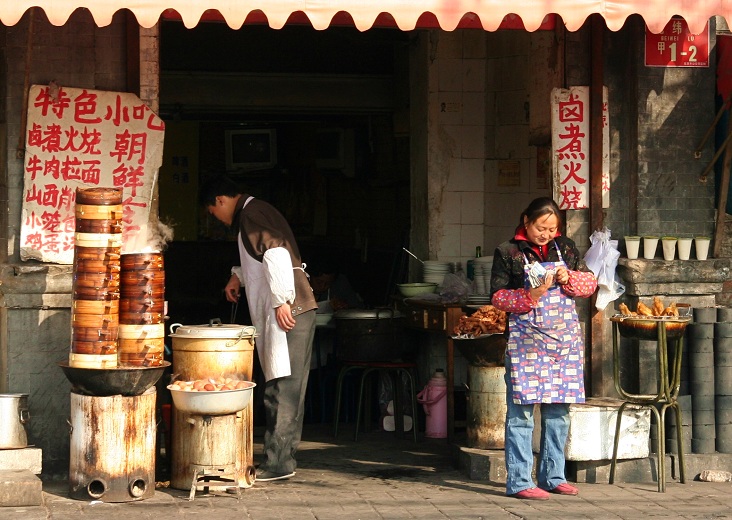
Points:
[(285, 319), (562, 275), (537, 292)]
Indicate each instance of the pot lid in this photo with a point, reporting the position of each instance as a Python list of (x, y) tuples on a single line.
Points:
[(215, 329), (367, 314)]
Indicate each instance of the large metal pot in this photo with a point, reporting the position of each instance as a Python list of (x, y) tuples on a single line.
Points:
[(14, 415), (368, 335)]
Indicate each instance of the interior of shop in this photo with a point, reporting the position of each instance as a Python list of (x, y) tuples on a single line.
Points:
[(310, 121)]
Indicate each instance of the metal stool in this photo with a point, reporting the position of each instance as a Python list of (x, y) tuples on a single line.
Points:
[(666, 397), (394, 369)]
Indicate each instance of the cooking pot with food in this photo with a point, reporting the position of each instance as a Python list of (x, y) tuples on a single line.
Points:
[(368, 335)]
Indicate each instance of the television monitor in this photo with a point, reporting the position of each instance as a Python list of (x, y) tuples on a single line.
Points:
[(251, 149)]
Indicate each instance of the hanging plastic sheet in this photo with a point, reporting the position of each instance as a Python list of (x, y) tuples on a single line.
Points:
[(602, 259)]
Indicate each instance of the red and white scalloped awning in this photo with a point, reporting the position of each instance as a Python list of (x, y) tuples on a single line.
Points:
[(363, 14)]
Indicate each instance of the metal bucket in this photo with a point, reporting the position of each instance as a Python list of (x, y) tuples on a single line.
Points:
[(14, 415), (486, 408)]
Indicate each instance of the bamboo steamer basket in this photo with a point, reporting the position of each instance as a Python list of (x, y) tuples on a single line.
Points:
[(99, 196), (142, 277), (141, 318), (94, 347), (140, 346), (106, 240), (143, 332), (95, 212), (96, 281), (99, 307), (110, 267), (145, 261), (142, 292), (148, 359), (140, 306), (85, 225), (93, 293), (92, 360), (94, 333), (100, 321), (101, 254)]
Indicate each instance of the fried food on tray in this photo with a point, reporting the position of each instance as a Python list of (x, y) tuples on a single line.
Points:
[(655, 310), (486, 320), (657, 307), (644, 310), (671, 310)]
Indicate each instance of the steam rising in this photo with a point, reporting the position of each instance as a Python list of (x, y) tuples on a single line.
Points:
[(153, 237)]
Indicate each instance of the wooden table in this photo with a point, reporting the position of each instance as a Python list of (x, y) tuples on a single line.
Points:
[(439, 318)]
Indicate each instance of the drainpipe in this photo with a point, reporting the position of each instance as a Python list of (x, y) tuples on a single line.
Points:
[(596, 213)]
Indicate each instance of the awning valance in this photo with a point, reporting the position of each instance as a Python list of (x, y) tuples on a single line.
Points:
[(406, 14)]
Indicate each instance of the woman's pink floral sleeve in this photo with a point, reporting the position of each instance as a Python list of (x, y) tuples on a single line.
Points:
[(581, 284), (516, 301)]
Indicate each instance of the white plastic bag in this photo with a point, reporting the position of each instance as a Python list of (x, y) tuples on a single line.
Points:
[(602, 259)]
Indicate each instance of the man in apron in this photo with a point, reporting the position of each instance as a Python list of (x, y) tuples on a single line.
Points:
[(282, 308), (536, 277)]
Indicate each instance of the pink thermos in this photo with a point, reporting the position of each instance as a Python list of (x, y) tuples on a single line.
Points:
[(434, 401)]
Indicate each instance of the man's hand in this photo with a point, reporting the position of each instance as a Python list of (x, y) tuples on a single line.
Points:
[(233, 289), (285, 319)]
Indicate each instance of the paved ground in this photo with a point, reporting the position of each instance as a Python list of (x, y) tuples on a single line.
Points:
[(380, 477)]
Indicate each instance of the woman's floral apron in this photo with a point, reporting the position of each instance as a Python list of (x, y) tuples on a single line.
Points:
[(546, 348)]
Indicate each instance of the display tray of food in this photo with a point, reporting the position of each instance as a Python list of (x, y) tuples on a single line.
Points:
[(211, 396), (643, 322), (479, 336)]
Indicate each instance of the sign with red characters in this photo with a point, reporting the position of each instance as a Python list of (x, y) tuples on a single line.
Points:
[(85, 138)]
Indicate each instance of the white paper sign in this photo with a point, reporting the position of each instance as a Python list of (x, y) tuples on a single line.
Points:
[(85, 138), (571, 147)]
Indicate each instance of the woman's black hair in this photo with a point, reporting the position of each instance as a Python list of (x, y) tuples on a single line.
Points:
[(540, 207), (215, 187)]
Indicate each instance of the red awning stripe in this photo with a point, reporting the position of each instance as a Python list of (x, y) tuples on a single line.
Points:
[(407, 14)]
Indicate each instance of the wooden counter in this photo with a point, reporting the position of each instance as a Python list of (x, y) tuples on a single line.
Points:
[(439, 318)]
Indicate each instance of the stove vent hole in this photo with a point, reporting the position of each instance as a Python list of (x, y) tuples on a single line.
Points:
[(96, 488), (138, 487)]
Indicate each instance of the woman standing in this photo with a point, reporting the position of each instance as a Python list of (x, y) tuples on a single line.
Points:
[(536, 276)]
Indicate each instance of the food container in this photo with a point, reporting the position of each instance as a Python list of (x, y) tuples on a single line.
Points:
[(142, 305), (95, 212), (102, 254), (135, 261), (99, 196), (94, 333), (95, 307), (95, 321), (94, 347), (86, 225), (367, 335), (103, 361), (212, 403), (14, 415), (103, 240), (142, 332)]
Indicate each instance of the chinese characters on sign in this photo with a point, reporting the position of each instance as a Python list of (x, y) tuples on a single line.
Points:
[(85, 138), (571, 147), (677, 47)]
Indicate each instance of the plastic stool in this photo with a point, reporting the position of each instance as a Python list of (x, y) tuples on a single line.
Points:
[(394, 370)]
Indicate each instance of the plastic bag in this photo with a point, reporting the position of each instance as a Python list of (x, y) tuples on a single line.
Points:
[(454, 288), (602, 259)]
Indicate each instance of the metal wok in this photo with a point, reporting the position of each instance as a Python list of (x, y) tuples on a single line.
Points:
[(121, 380)]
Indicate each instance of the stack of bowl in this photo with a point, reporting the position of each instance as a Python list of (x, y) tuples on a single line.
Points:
[(142, 309), (95, 302)]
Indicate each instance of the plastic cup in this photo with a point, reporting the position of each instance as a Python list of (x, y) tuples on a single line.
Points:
[(684, 245), (649, 247), (669, 248), (632, 246), (702, 247)]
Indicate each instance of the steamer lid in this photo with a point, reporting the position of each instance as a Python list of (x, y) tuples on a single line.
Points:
[(215, 329)]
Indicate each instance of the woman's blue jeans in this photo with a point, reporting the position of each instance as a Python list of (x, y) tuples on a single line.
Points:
[(519, 433)]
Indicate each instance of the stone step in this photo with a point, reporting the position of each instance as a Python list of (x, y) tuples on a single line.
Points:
[(20, 487)]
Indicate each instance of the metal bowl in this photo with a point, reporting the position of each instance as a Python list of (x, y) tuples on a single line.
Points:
[(414, 289), (222, 402), (647, 327), (120, 380), (486, 350)]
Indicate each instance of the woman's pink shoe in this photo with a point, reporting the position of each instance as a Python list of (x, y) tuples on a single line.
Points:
[(565, 489), (532, 494)]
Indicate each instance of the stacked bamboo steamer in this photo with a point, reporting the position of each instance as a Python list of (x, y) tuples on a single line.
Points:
[(142, 309), (95, 302)]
